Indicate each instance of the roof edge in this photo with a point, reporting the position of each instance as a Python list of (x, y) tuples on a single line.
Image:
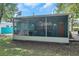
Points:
[(42, 15)]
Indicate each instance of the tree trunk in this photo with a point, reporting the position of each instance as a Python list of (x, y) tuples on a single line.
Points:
[(1, 16), (1, 12), (72, 24), (0, 21)]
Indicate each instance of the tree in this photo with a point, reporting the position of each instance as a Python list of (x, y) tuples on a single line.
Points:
[(60, 7), (68, 8), (7, 10), (72, 8)]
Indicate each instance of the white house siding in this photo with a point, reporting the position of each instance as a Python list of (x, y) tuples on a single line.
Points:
[(42, 39)]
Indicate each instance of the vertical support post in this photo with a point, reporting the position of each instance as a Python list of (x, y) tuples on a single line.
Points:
[(13, 28), (13, 25), (0, 28), (28, 28), (46, 26), (69, 26)]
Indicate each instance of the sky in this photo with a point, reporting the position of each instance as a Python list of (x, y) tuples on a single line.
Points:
[(29, 9)]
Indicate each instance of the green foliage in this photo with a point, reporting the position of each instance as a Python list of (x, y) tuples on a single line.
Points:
[(5, 42), (68, 8), (7, 10)]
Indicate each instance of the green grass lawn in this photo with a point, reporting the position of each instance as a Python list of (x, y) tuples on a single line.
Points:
[(25, 48)]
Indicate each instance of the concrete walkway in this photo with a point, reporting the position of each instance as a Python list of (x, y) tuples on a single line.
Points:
[(75, 36)]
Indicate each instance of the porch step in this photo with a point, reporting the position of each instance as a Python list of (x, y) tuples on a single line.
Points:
[(73, 40)]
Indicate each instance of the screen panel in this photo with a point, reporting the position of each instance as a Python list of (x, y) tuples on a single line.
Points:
[(37, 27), (30, 27), (57, 26)]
